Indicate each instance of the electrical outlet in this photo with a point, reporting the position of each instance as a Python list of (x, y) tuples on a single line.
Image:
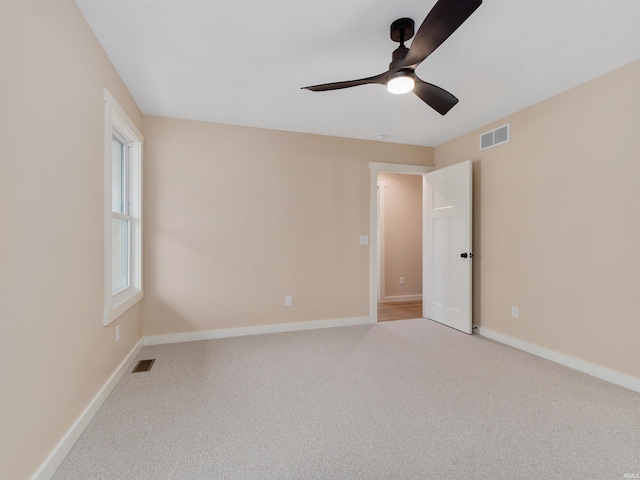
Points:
[(117, 333), (288, 301), (514, 312), (401, 280)]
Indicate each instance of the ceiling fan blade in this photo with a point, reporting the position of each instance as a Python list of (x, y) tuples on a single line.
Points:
[(437, 98), (443, 19), (381, 79)]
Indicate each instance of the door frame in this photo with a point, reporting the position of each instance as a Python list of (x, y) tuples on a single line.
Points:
[(375, 168), (381, 187)]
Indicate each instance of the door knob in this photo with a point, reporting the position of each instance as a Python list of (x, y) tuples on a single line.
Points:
[(463, 255)]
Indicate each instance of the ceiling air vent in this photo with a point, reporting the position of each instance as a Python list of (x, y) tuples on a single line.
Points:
[(495, 137)]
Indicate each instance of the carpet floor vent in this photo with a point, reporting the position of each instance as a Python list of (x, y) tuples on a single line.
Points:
[(144, 366)]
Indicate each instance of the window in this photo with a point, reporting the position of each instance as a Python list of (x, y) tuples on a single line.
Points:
[(123, 212)]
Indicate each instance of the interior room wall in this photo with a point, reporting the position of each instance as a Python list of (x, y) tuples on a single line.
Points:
[(55, 352), (402, 235), (237, 218), (556, 222)]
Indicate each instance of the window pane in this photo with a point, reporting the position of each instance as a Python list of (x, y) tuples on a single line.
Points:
[(120, 240), (118, 175)]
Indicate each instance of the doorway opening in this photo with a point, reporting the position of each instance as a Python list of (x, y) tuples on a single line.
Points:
[(399, 246), (395, 299), (447, 222)]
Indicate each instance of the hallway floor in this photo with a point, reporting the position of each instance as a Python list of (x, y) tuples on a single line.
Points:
[(399, 311)]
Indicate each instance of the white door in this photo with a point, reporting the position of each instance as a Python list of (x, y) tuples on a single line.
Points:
[(447, 255)]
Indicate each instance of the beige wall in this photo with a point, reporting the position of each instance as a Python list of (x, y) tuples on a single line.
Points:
[(556, 223), (55, 353), (402, 235), (237, 218)]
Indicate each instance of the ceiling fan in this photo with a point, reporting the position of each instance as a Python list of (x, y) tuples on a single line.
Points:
[(443, 19)]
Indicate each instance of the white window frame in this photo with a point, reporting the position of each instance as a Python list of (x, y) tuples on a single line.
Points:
[(117, 122)]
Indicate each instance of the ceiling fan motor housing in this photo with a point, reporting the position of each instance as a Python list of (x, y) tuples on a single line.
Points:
[(397, 58)]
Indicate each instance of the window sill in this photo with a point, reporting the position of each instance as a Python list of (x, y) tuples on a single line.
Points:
[(122, 302)]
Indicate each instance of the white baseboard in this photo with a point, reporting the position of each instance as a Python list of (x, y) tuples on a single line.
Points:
[(257, 330), (602, 373), (401, 298), (55, 458)]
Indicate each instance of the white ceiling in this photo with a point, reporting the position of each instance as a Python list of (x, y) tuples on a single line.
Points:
[(243, 62)]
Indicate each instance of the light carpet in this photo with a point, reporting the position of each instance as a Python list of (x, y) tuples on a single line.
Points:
[(410, 399)]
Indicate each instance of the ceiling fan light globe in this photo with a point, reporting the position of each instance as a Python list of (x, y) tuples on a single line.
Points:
[(401, 84)]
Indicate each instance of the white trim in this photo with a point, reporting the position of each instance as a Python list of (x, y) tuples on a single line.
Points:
[(401, 298), (375, 168), (115, 118), (55, 458), (617, 378), (107, 97), (400, 168), (126, 299), (256, 330), (382, 187)]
